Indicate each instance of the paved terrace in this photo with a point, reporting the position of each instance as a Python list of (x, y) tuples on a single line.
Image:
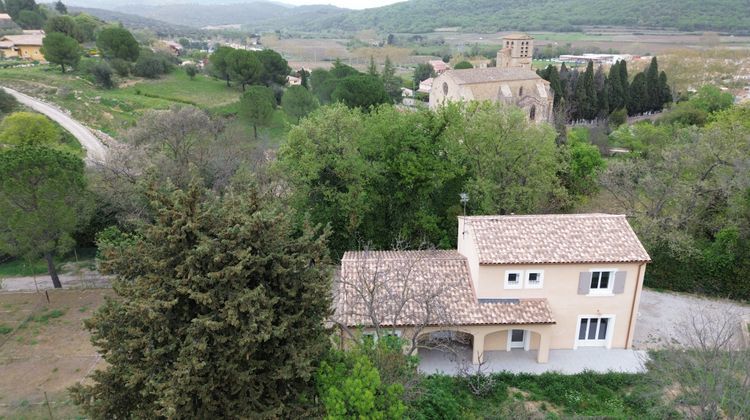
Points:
[(520, 361)]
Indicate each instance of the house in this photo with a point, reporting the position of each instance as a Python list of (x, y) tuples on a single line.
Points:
[(6, 22), (425, 85), (26, 46), (293, 81), (439, 66), (516, 283), (512, 81)]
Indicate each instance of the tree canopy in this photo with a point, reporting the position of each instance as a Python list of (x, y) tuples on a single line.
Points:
[(117, 42), (220, 312), (42, 201), (61, 49), (297, 102), (28, 128), (257, 105)]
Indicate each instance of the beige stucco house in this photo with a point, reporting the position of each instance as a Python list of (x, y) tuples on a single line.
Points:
[(27, 46), (511, 81), (515, 283)]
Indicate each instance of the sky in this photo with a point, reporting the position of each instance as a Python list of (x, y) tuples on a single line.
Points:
[(349, 4)]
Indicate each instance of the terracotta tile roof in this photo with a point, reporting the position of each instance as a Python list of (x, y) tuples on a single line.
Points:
[(376, 284), (557, 238), (33, 39), (491, 74)]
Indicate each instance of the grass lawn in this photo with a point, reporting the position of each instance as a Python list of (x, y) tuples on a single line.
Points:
[(115, 110)]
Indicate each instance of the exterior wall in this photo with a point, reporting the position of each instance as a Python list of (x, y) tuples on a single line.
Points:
[(31, 52), (467, 248), (9, 52), (524, 94), (560, 288)]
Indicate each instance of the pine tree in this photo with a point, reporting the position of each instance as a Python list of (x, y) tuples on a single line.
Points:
[(220, 312)]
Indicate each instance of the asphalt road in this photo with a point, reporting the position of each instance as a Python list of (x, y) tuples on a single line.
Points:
[(95, 150)]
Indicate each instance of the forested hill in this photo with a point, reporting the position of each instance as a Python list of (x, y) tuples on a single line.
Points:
[(468, 15), (497, 15)]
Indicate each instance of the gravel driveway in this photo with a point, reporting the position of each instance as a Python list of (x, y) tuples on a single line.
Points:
[(95, 150), (662, 316)]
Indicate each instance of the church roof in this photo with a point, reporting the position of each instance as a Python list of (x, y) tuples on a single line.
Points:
[(491, 74)]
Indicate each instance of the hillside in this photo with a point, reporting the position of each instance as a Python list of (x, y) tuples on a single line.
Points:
[(133, 21), (469, 15), (251, 13)]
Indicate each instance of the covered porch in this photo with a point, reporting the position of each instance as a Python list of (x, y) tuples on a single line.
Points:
[(476, 342)]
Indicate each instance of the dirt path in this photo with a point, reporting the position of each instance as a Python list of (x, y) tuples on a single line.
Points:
[(95, 150), (84, 279), (662, 316)]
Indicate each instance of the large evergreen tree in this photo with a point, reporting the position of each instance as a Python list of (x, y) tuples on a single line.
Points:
[(638, 98), (42, 201), (220, 312), (653, 90)]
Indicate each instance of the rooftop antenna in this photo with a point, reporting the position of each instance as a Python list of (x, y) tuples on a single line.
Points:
[(464, 199)]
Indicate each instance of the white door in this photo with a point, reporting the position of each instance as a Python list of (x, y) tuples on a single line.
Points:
[(593, 331), (517, 339)]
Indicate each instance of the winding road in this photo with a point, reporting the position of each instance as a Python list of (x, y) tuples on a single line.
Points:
[(96, 152)]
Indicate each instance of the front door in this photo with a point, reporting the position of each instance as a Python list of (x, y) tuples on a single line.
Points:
[(517, 339)]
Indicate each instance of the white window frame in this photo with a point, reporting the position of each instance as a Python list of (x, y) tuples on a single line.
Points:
[(606, 343), (610, 284), (526, 339), (540, 281), (519, 281)]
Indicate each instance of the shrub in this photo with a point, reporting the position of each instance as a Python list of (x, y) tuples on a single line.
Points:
[(191, 71), (103, 75), (152, 65), (120, 66), (8, 102)]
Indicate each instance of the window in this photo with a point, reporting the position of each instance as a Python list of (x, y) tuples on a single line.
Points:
[(520, 91), (601, 281), (513, 279), (445, 88), (594, 330), (534, 279), (532, 113)]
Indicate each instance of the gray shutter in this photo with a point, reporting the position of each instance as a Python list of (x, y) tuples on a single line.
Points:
[(584, 282), (619, 286)]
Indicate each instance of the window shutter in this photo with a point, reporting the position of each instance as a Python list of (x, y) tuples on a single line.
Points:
[(584, 282), (619, 286)]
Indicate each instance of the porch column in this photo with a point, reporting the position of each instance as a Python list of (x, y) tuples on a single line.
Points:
[(478, 348), (543, 353)]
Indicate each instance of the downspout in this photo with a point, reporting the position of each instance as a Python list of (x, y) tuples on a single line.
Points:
[(638, 287)]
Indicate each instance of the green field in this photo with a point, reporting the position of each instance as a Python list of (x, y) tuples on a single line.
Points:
[(115, 110)]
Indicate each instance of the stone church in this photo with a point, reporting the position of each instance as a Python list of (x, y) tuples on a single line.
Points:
[(512, 81)]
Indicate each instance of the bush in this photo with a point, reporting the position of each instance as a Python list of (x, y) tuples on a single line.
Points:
[(120, 66), (152, 65), (103, 75), (191, 71), (8, 102)]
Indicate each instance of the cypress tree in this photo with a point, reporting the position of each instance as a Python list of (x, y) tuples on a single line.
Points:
[(653, 90), (625, 83), (372, 69), (587, 102), (638, 99), (665, 92), (220, 312), (554, 83), (602, 93), (616, 94)]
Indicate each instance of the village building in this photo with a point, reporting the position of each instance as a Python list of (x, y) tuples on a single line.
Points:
[(515, 285), (439, 66), (26, 46), (512, 81), (425, 86)]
